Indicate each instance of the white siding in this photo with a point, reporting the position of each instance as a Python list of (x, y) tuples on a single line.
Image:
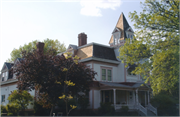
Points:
[(97, 99)]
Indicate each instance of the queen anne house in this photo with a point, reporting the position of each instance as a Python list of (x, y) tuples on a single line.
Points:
[(113, 83)]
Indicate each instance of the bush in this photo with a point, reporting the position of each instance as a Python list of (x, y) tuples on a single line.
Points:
[(3, 109), (12, 109), (124, 110), (106, 109), (165, 104), (39, 110), (83, 102)]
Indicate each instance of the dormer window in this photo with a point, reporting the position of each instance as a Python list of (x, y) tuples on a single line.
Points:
[(116, 37)]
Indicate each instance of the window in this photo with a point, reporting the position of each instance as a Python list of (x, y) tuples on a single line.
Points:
[(131, 36), (3, 98), (116, 36), (106, 74), (2, 76), (130, 71)]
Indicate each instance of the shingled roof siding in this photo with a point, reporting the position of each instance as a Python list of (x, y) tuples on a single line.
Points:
[(104, 52)]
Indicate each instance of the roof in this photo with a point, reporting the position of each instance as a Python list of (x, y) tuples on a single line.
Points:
[(9, 65), (103, 52), (73, 46), (122, 85), (122, 25), (96, 50)]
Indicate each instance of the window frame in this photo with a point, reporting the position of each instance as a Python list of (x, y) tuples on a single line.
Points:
[(106, 75)]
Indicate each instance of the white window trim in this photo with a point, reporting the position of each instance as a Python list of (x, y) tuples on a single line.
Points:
[(107, 68)]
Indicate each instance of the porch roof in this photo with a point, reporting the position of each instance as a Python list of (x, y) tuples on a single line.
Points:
[(122, 85)]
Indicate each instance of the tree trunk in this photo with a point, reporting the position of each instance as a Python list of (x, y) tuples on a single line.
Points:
[(51, 110)]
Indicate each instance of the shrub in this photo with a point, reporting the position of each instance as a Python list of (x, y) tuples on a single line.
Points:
[(39, 110), (3, 109), (12, 109), (83, 102), (165, 104), (106, 109), (124, 110)]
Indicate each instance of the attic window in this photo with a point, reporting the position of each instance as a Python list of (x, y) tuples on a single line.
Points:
[(116, 37)]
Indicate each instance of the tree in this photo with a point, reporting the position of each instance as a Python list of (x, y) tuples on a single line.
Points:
[(21, 99), (166, 105), (155, 47), (49, 44), (43, 72)]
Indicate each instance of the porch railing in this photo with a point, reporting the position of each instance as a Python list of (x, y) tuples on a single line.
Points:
[(130, 106), (151, 108), (142, 109)]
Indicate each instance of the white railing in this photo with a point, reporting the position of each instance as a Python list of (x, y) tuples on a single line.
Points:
[(142, 109), (119, 106), (151, 108)]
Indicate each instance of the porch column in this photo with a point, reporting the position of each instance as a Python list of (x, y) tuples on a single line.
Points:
[(137, 102), (114, 90), (148, 97), (145, 98)]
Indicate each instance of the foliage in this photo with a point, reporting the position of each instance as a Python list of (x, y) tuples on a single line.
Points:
[(49, 44), (155, 48), (166, 105), (20, 99), (39, 110), (83, 102), (12, 109), (46, 74), (106, 109), (3, 109)]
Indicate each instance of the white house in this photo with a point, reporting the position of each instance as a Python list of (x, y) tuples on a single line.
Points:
[(8, 82), (114, 83)]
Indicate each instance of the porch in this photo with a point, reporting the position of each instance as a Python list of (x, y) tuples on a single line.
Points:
[(135, 98)]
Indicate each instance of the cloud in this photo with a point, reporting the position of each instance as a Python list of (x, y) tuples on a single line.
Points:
[(93, 7)]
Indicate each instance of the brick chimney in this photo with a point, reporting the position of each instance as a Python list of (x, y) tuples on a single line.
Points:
[(82, 39), (40, 47)]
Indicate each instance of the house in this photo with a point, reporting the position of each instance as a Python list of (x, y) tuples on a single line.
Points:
[(9, 82), (114, 82)]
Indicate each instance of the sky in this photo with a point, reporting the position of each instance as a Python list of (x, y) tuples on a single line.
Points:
[(22, 21)]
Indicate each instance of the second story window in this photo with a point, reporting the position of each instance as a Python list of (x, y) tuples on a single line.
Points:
[(3, 75), (106, 74)]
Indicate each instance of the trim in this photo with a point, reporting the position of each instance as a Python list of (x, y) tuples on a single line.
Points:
[(101, 60), (124, 73), (93, 44), (93, 99), (9, 81)]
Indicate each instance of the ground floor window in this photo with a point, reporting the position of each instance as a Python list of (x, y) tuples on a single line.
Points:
[(3, 98), (107, 96)]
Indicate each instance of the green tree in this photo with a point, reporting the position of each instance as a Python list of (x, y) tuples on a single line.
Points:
[(155, 47), (21, 99), (49, 44)]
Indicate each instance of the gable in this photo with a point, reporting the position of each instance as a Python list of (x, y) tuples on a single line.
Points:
[(4, 67), (130, 30)]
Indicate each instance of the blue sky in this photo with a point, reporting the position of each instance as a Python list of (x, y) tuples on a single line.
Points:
[(23, 21)]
